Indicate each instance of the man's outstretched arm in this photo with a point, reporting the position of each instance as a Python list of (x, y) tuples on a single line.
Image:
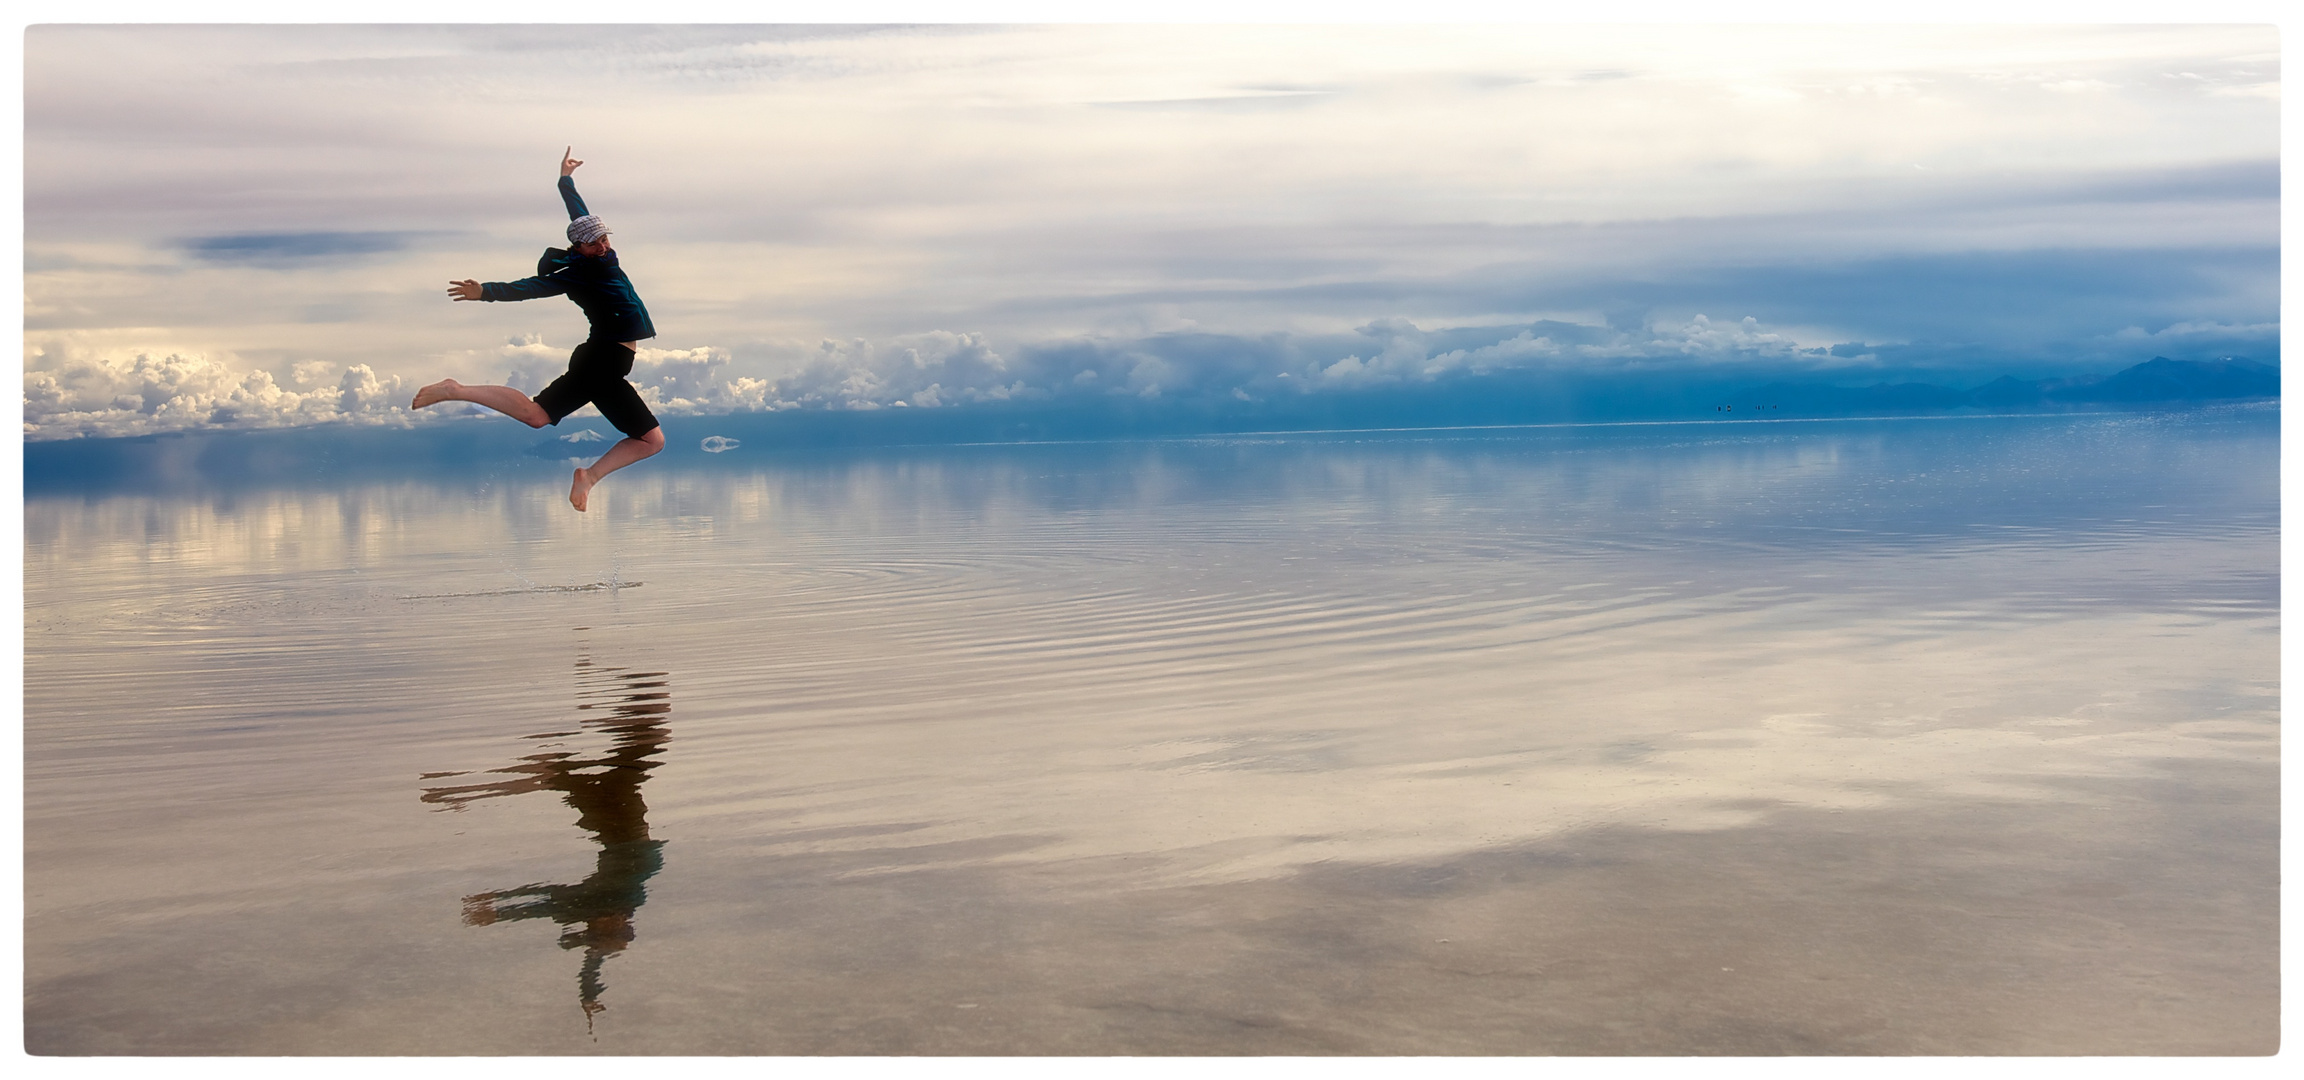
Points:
[(523, 289)]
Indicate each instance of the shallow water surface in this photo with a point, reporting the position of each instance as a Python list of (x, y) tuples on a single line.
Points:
[(1933, 736)]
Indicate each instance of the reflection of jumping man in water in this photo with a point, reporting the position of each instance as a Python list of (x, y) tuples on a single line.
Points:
[(588, 273), (605, 792)]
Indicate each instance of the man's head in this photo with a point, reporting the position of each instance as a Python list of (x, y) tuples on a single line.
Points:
[(589, 235)]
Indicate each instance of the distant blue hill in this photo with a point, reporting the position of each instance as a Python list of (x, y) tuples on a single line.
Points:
[(2158, 381)]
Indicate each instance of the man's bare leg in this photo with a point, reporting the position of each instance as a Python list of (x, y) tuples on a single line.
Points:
[(503, 399), (618, 456)]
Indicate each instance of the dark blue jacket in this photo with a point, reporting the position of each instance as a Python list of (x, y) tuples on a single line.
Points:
[(598, 285)]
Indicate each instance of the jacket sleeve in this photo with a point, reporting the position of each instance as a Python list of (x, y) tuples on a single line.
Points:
[(526, 288), (568, 195)]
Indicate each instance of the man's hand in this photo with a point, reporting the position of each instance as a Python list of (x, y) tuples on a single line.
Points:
[(466, 289), (568, 164)]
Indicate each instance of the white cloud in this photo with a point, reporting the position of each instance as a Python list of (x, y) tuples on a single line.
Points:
[(928, 370), (72, 393), (528, 363), (1406, 357), (360, 391), (2195, 331)]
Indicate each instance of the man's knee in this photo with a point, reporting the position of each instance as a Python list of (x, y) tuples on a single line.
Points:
[(653, 440)]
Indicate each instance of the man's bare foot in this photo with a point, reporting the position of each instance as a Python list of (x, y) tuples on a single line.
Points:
[(580, 490), (444, 390)]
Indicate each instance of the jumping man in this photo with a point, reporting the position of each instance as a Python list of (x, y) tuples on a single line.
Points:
[(588, 273)]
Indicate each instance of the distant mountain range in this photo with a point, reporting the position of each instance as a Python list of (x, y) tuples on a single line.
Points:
[(2156, 380)]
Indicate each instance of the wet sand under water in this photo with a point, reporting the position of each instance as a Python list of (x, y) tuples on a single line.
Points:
[(2107, 927)]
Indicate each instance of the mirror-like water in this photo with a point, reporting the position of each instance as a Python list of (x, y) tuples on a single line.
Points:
[(1952, 736)]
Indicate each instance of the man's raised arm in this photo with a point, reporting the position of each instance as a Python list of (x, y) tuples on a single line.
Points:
[(568, 186)]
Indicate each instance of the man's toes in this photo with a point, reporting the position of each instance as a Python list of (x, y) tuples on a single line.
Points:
[(433, 394)]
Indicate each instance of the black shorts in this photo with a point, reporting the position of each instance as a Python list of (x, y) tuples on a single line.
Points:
[(595, 377)]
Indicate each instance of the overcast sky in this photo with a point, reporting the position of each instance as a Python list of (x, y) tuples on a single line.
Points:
[(240, 226)]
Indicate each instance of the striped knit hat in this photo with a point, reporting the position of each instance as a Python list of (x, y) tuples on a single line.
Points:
[(586, 229)]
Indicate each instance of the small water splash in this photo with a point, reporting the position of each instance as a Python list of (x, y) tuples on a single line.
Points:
[(596, 586)]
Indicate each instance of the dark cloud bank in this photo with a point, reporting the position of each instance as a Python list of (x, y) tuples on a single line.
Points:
[(291, 247)]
